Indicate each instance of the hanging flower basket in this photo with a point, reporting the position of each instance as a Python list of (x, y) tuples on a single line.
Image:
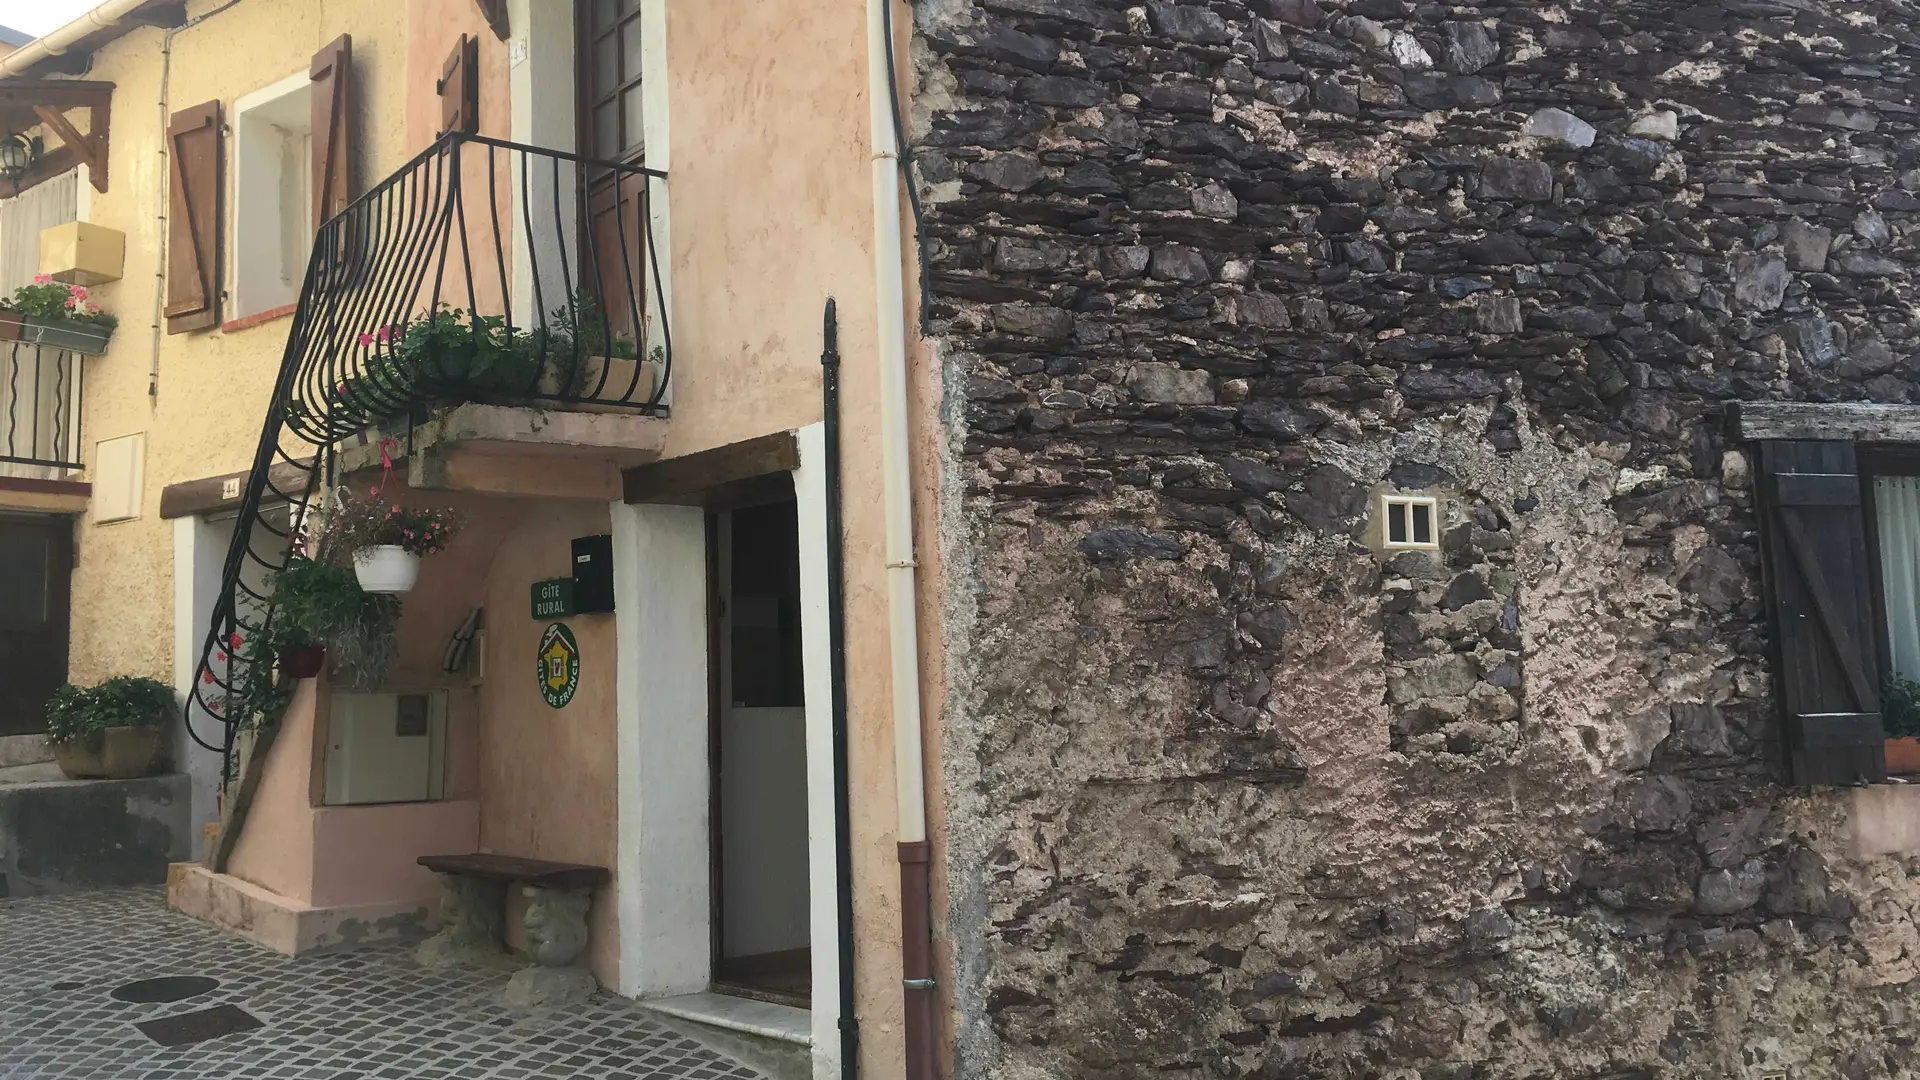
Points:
[(89, 338), (386, 568)]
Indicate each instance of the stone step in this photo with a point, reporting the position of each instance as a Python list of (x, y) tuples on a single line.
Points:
[(24, 750)]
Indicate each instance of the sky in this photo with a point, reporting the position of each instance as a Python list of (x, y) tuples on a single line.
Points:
[(37, 17)]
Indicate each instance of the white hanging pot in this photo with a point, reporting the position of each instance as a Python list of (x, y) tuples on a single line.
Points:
[(386, 568)]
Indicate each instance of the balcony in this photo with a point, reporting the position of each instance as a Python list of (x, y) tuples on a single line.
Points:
[(39, 410), (491, 311), (482, 280)]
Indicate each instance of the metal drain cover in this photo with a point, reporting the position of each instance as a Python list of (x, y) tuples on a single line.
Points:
[(199, 1026), (169, 988)]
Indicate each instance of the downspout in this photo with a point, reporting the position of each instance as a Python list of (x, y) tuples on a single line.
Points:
[(916, 942), (837, 669)]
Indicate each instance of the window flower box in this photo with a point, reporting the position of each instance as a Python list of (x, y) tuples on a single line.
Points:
[(81, 337)]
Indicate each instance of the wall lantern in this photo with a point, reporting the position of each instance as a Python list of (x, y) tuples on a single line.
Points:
[(16, 155)]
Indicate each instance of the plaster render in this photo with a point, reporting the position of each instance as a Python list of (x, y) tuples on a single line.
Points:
[(1228, 793)]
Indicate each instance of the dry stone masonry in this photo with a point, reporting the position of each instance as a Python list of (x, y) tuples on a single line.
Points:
[(1232, 792)]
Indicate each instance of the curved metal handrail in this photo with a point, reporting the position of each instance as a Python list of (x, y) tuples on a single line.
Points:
[(480, 270)]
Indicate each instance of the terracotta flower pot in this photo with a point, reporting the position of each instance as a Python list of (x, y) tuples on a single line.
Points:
[(1903, 756), (10, 323), (124, 753), (303, 663)]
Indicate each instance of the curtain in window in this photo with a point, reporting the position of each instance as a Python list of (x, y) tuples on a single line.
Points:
[(52, 202), (1897, 503)]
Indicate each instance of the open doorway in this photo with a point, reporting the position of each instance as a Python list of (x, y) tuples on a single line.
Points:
[(762, 943), (36, 559)]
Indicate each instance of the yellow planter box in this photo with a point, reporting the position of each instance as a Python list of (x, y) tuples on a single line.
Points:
[(81, 253)]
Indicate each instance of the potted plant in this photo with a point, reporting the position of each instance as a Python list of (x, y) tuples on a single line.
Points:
[(385, 541), (113, 731), (61, 316), (1900, 714), (320, 613)]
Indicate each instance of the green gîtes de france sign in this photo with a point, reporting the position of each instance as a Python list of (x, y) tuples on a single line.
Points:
[(559, 665)]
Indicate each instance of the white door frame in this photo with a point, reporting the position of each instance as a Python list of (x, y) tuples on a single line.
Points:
[(662, 889)]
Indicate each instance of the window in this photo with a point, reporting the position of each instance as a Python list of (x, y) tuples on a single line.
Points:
[(23, 217), (610, 117), (1409, 522), (1896, 517), (273, 196)]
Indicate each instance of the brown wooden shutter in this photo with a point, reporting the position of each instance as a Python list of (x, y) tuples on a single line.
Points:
[(1820, 598), (332, 104), (459, 87), (193, 218)]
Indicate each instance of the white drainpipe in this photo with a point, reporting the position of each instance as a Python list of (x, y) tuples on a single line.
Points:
[(902, 620)]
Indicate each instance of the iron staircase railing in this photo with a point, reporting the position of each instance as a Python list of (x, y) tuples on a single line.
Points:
[(481, 270)]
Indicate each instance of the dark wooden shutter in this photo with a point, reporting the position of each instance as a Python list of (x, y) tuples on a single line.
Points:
[(193, 218), (459, 87), (332, 103), (1820, 597)]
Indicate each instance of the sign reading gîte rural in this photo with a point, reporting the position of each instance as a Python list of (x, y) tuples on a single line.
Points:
[(559, 665)]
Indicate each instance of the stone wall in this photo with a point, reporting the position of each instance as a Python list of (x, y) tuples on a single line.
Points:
[(1233, 793)]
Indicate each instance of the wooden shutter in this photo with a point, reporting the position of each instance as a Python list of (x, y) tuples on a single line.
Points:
[(459, 87), (193, 218), (1820, 598), (332, 103)]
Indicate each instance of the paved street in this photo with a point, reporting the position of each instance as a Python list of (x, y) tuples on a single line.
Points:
[(367, 1013)]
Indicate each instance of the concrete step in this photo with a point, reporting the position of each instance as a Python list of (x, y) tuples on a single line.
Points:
[(24, 750), (59, 835), (39, 773), (777, 1040)]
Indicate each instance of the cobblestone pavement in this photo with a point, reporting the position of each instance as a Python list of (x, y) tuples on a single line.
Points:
[(368, 1013)]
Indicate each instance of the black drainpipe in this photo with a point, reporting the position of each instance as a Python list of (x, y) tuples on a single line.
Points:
[(837, 667)]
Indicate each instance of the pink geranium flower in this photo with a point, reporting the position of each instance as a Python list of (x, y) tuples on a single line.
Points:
[(43, 279), (365, 338)]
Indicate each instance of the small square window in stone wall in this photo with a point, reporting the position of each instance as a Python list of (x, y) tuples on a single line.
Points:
[(1451, 623), (1409, 522)]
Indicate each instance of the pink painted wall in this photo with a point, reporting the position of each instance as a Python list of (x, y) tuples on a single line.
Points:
[(366, 854), (275, 849), (547, 776)]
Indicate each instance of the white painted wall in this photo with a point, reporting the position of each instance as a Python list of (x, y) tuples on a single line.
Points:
[(541, 90), (199, 549), (272, 195), (660, 612), (810, 489)]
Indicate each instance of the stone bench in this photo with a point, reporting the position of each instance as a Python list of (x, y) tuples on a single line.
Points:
[(473, 912)]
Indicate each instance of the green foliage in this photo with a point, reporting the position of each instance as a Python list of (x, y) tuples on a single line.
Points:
[(364, 523), (1900, 707), (454, 353), (51, 300), (77, 713), (321, 603)]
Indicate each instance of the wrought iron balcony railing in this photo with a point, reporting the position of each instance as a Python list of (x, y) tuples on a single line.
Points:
[(481, 270), (39, 406)]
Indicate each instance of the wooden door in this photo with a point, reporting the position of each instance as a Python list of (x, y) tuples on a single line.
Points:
[(36, 558)]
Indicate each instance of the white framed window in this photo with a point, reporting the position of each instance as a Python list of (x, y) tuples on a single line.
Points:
[(1409, 521), (272, 195)]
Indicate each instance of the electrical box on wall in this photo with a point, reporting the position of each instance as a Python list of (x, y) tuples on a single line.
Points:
[(592, 574)]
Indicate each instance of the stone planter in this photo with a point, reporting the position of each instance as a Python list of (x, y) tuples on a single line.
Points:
[(386, 568), (640, 374), (124, 753), (1903, 756), (89, 338)]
